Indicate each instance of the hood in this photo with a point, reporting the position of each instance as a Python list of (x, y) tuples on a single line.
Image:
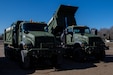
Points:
[(39, 33), (83, 38), (31, 35), (90, 35)]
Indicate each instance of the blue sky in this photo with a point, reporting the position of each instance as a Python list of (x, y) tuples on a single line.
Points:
[(93, 13)]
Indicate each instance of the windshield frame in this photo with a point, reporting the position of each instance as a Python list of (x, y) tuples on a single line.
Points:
[(33, 26), (85, 30)]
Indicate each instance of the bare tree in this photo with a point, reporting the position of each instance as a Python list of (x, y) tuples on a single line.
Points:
[(111, 32), (104, 33), (1, 36)]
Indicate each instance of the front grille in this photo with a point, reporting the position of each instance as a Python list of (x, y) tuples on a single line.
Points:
[(42, 53), (46, 45), (95, 41), (44, 42)]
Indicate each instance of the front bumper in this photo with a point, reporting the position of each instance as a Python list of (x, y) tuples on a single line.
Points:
[(44, 52), (94, 49)]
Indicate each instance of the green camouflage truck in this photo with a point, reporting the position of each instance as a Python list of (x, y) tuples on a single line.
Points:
[(28, 42), (77, 40)]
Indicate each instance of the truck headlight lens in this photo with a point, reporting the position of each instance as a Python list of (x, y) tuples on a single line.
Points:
[(27, 46), (82, 45)]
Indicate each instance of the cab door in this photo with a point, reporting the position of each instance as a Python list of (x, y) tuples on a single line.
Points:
[(20, 34)]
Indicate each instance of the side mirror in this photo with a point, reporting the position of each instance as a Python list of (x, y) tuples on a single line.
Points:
[(20, 29), (69, 31), (46, 28), (26, 32), (104, 35), (94, 31)]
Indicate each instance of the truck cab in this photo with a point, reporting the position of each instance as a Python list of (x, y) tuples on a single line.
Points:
[(72, 33)]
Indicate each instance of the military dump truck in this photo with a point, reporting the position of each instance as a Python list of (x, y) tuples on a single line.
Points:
[(28, 42), (77, 40)]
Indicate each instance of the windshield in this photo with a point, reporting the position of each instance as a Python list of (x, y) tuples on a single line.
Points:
[(81, 30), (33, 26)]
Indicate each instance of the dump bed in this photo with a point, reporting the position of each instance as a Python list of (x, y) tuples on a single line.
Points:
[(8, 35), (63, 17), (10, 32)]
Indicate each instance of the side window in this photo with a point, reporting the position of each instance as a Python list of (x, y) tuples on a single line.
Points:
[(87, 31), (14, 28), (70, 30), (76, 30), (20, 29)]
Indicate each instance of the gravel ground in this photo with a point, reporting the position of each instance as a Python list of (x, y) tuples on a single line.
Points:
[(68, 67)]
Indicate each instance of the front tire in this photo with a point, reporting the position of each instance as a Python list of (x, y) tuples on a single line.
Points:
[(101, 55), (79, 55), (54, 60)]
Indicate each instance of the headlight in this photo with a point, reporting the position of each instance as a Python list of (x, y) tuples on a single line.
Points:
[(83, 44), (27, 46)]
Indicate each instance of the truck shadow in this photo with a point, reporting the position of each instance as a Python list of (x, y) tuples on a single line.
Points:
[(8, 67), (71, 65)]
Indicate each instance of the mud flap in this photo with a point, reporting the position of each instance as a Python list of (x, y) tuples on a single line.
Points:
[(25, 59)]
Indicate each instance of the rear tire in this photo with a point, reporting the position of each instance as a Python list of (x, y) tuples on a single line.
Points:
[(8, 52)]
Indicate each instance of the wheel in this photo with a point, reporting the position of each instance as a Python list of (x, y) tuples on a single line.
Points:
[(101, 55), (8, 52), (79, 55), (54, 60), (25, 59)]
